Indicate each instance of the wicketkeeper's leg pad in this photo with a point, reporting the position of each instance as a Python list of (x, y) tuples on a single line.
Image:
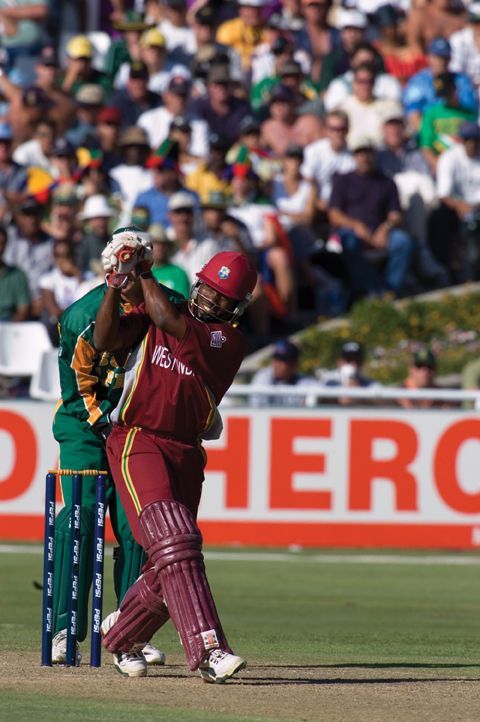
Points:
[(129, 559), (172, 539), (142, 613)]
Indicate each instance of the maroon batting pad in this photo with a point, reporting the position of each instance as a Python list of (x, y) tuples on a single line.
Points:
[(173, 542), (142, 613)]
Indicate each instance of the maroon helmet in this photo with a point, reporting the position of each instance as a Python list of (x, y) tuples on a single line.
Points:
[(234, 276)]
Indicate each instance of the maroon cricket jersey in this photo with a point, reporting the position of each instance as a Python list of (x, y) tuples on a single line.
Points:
[(173, 387)]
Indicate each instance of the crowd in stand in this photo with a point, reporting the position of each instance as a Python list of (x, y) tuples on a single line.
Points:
[(336, 143)]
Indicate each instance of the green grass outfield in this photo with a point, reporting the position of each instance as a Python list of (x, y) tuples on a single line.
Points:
[(310, 619)]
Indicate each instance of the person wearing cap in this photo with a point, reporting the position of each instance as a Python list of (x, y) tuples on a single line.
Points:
[(95, 217), (351, 24), (180, 132), (365, 211), (422, 374), (420, 92), (433, 19), (63, 161), (107, 134), (47, 77), (214, 173), (79, 69), (441, 122), (131, 174), (348, 372), (244, 32), (279, 130), (192, 250), (465, 46), (125, 49), (399, 152), (167, 273), (220, 109), (154, 54), (401, 60), (89, 100), (288, 73), (278, 49), (366, 113), (282, 371), (166, 182), (29, 247), (205, 21), (156, 122), (458, 188), (135, 98)]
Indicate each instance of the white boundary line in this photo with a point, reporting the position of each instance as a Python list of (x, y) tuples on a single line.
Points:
[(347, 558)]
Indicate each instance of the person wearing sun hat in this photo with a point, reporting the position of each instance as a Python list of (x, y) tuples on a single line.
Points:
[(126, 48)]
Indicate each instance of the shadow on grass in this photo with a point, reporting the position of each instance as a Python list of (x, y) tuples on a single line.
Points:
[(280, 681), (366, 665)]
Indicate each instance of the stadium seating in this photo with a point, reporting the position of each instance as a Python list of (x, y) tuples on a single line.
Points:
[(45, 382), (21, 347)]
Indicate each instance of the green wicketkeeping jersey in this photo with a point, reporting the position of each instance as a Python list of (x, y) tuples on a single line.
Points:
[(91, 382)]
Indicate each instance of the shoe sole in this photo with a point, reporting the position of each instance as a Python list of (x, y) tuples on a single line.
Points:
[(225, 677)]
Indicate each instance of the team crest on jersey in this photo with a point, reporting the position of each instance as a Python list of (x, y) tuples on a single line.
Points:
[(224, 272), (217, 339)]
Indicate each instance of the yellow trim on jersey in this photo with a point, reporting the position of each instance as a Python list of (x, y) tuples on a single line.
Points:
[(211, 414), (82, 363), (125, 471), (125, 406)]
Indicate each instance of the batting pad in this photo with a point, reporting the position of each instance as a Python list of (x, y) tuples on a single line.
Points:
[(142, 613), (174, 544)]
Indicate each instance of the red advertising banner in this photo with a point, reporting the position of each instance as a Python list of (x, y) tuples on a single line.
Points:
[(321, 477)]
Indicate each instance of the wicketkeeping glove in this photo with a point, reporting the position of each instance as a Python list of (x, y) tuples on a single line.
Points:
[(121, 254)]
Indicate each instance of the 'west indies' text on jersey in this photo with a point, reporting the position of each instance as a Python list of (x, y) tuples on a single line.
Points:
[(173, 387)]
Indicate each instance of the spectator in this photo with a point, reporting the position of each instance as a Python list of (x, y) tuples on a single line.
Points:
[(153, 53), (178, 34), (135, 98), (131, 175), (399, 152), (214, 174), (79, 70), (328, 156), (14, 292), (422, 372), (180, 132), (108, 134), (441, 122), (401, 60), (457, 236), (165, 272), (287, 72), (166, 182), (12, 176), (60, 225), (365, 112), (317, 37), (348, 373), (279, 130), (37, 151), (22, 33), (125, 49), (47, 75), (156, 123), (204, 24), (27, 110), (63, 161), (191, 253), (282, 371), (95, 217), (221, 110), (365, 208), (277, 50), (58, 287), (465, 43), (89, 99), (437, 18), (29, 248), (244, 32), (421, 93), (352, 24)]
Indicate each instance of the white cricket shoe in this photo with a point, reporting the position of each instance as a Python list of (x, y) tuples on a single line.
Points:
[(59, 648), (153, 655), (130, 664), (218, 666)]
